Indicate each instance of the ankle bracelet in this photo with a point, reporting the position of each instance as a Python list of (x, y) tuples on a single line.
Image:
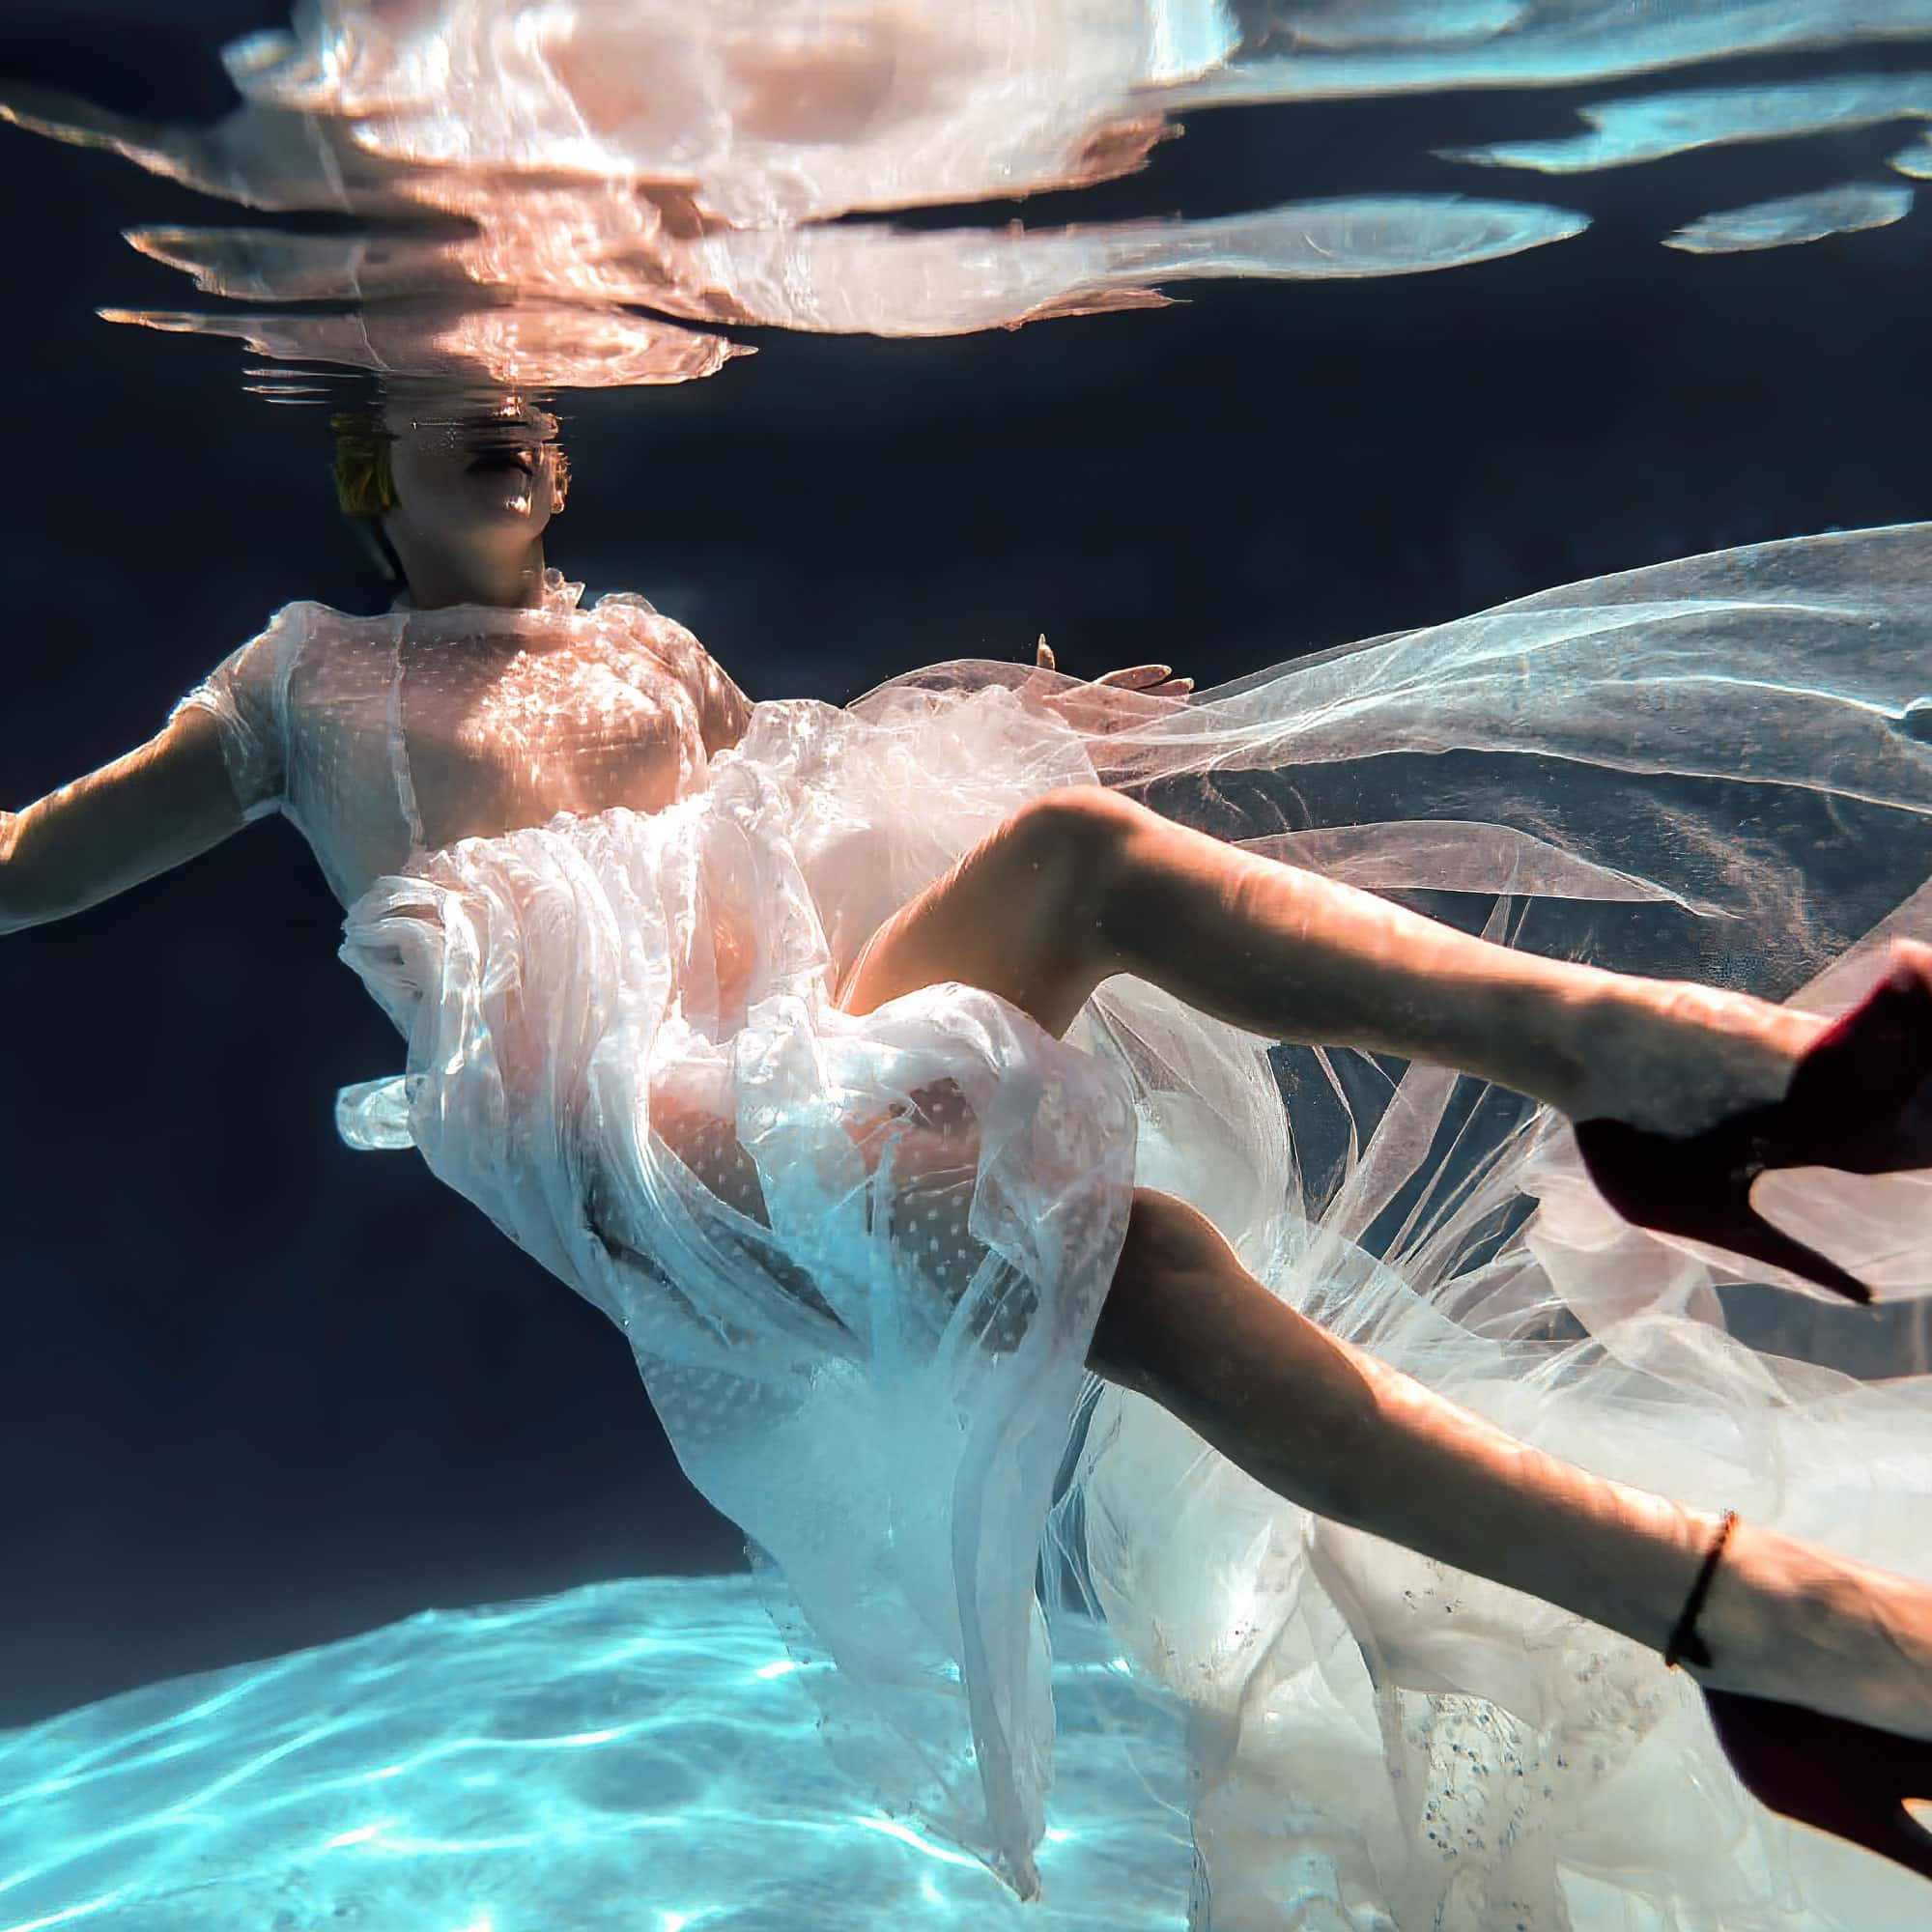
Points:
[(1686, 1646)]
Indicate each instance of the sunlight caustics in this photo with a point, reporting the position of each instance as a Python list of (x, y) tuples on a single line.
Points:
[(217, 1800)]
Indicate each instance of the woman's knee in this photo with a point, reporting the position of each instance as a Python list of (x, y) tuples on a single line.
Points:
[(1171, 1253), (1078, 829), (1021, 915), (1167, 1237)]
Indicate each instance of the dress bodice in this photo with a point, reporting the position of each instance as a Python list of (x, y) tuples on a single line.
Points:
[(384, 737)]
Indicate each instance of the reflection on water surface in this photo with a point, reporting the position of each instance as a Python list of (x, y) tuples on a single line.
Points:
[(583, 195)]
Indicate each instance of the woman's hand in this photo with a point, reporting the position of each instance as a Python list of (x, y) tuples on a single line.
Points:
[(1094, 706)]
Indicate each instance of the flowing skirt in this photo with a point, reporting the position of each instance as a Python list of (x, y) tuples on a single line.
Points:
[(860, 1260)]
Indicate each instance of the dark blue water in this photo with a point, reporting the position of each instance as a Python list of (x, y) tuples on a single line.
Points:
[(259, 1394)]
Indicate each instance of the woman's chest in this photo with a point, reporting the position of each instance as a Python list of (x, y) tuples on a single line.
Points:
[(474, 737)]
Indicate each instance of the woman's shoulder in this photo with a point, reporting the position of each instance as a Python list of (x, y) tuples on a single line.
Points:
[(626, 616), (620, 602), (306, 631), (632, 611), (301, 631), (307, 616)]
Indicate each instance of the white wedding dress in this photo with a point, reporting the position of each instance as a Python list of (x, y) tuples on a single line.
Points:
[(859, 1259)]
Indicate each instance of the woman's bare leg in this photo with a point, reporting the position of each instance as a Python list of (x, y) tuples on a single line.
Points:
[(1083, 884), (1330, 1428)]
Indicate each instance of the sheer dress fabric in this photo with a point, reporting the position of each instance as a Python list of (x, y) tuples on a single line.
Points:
[(859, 1259)]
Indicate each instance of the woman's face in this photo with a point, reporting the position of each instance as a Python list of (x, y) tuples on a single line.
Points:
[(486, 473)]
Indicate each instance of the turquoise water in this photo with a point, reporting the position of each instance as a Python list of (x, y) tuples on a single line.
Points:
[(639, 1756)]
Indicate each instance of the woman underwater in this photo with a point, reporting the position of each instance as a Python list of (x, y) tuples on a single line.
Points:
[(832, 1052)]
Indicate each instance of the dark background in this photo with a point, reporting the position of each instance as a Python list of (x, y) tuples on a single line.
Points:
[(256, 1392)]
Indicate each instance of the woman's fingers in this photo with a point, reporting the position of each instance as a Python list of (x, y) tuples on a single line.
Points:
[(1156, 679), (1133, 676)]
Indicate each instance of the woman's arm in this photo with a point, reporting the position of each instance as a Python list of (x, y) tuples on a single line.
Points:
[(161, 805)]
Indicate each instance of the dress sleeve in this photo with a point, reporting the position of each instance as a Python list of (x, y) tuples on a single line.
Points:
[(248, 695)]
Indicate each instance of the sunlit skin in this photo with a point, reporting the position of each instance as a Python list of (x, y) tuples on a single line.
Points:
[(475, 492), (1084, 883), (1080, 885)]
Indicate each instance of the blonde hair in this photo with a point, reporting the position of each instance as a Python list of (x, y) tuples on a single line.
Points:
[(364, 486)]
